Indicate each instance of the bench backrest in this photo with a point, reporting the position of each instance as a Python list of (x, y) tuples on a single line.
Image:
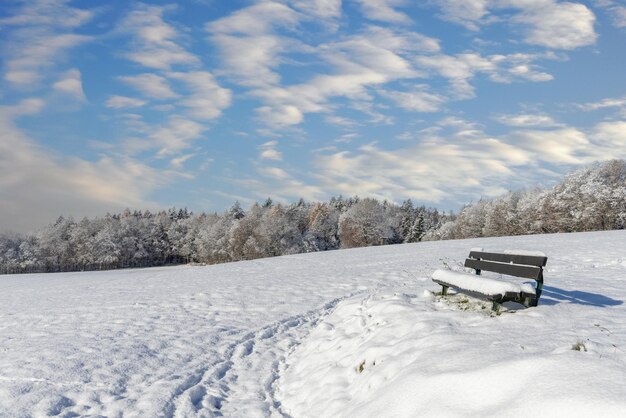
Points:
[(519, 265)]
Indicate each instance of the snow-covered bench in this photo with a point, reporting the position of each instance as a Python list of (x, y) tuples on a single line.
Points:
[(520, 264)]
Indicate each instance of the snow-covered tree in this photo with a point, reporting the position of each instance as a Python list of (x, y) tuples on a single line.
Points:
[(323, 228), (364, 225)]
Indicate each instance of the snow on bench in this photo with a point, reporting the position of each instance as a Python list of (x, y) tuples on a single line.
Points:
[(478, 284), (525, 252), (526, 264)]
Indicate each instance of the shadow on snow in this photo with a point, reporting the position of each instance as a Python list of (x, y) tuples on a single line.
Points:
[(554, 295)]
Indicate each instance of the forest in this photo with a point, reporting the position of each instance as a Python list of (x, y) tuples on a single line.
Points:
[(590, 199)]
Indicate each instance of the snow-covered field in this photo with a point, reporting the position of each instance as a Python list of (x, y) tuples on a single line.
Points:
[(352, 333)]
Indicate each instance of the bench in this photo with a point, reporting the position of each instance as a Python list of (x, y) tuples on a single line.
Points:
[(519, 265)]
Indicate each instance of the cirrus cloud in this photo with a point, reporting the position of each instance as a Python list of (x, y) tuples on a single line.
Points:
[(154, 41)]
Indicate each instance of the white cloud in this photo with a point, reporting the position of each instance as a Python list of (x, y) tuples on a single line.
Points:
[(413, 172), (384, 10), (468, 13), (273, 172), (616, 10), (458, 70), (281, 185), (397, 41), (370, 109), (526, 120), (475, 163), (122, 102), (372, 58), (71, 84), (36, 37), (346, 138), (251, 60), (150, 85), (269, 151), (620, 16), (417, 100), (462, 68), (603, 104), (157, 44), (559, 146), (609, 140), (558, 25), (257, 19), (170, 138), (340, 121), (34, 51), (23, 77), (249, 48), (163, 108), (155, 41), (135, 123), (549, 23), (526, 71), (569, 145), (280, 115), (364, 57), (25, 107), (37, 185), (162, 58), (176, 135), (207, 99), (251, 52), (459, 126), (319, 8), (178, 162), (48, 13)]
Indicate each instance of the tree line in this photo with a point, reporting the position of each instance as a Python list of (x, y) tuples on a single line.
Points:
[(590, 199), (144, 239)]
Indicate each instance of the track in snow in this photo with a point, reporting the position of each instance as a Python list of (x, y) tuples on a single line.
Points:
[(247, 373)]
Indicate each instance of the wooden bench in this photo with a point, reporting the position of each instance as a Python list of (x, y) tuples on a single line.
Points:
[(497, 291)]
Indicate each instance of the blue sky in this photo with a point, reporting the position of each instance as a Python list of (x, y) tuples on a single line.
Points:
[(108, 105)]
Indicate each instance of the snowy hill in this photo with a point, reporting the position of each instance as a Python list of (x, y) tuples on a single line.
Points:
[(343, 333)]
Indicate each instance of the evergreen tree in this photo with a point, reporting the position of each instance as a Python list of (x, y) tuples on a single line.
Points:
[(236, 212)]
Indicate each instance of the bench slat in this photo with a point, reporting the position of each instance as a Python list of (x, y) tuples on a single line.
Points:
[(529, 272), (529, 260)]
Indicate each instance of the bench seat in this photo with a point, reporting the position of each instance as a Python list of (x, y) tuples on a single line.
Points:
[(492, 289)]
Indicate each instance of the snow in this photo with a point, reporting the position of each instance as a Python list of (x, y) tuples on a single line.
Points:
[(526, 252), (479, 284), (342, 333)]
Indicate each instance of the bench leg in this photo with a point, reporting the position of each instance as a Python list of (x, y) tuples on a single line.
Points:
[(444, 290), (495, 306), (539, 289)]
